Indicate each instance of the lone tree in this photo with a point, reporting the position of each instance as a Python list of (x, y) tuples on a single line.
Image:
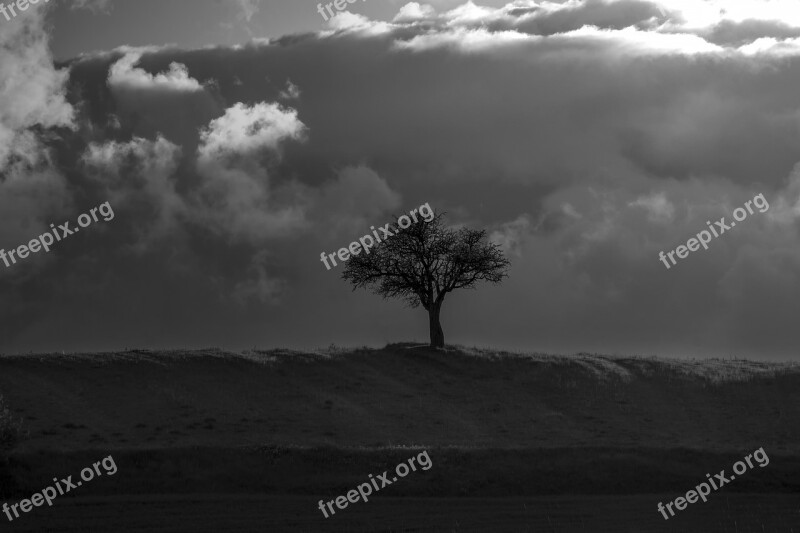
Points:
[(424, 262)]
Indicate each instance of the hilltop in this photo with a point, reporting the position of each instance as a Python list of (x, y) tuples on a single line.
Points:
[(496, 424), (399, 395)]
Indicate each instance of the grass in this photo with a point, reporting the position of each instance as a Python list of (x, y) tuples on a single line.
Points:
[(456, 471), (730, 513), (11, 428), (495, 423), (399, 395)]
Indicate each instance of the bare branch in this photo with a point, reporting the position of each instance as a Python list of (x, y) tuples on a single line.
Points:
[(424, 262)]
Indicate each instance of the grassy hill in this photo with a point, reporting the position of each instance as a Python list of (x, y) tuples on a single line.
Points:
[(399, 395), (496, 423)]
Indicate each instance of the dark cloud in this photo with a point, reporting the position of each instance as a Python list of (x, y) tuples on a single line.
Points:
[(586, 137), (614, 15), (730, 33)]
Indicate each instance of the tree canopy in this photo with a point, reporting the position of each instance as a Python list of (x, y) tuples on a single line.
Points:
[(425, 262)]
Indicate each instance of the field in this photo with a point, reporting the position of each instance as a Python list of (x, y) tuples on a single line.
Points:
[(211, 441), (740, 513)]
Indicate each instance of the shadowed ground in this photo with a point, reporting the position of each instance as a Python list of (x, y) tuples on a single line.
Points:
[(590, 514), (251, 441), (400, 396)]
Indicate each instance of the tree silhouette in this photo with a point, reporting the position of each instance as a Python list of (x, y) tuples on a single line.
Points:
[(424, 262)]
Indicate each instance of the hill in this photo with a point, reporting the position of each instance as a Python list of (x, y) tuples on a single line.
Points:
[(496, 424), (400, 395)]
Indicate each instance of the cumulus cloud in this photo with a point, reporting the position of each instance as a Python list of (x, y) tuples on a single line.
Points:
[(32, 90), (234, 159), (124, 76), (33, 190), (586, 136), (645, 26), (413, 12), (249, 130), (345, 20), (162, 103)]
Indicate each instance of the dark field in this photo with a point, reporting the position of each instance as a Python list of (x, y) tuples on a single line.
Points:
[(739, 513), (214, 441), (400, 396), (455, 471)]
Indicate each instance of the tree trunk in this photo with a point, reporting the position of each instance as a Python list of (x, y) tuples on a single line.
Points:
[(437, 334)]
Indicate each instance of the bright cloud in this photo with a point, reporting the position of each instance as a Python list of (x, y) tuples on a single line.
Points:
[(124, 75), (234, 159)]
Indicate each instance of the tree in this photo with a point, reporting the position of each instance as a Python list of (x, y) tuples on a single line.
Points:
[(423, 263)]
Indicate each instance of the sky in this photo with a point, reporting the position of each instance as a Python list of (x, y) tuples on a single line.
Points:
[(237, 140)]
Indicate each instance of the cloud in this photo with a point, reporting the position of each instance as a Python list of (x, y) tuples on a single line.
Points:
[(124, 76), (658, 208), (355, 200), (347, 21), (32, 90), (248, 8), (413, 12), (740, 34), (234, 159), (248, 130), (138, 176), (292, 91), (33, 103), (771, 47), (585, 136), (95, 6), (262, 287), (162, 103), (511, 235)]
